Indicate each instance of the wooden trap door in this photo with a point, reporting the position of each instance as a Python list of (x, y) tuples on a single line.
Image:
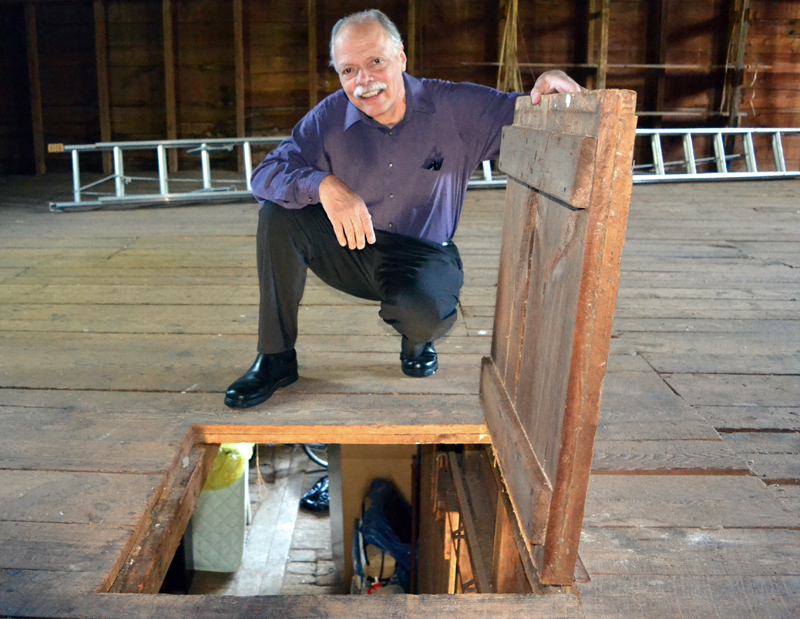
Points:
[(569, 166)]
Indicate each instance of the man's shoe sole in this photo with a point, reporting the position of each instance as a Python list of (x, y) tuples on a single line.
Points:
[(237, 403)]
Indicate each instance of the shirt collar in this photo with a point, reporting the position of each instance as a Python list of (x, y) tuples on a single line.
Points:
[(417, 99)]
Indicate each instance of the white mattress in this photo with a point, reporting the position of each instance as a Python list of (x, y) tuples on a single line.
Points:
[(214, 539)]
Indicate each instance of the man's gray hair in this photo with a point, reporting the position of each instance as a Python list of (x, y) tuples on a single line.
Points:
[(366, 17)]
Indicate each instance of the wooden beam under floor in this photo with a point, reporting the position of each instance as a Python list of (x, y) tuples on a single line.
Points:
[(145, 566)]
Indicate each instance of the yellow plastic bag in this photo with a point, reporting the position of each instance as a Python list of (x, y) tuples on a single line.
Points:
[(229, 465)]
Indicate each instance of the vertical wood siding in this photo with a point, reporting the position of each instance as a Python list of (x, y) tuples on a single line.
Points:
[(456, 40)]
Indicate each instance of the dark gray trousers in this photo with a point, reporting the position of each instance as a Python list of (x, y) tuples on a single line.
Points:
[(416, 281)]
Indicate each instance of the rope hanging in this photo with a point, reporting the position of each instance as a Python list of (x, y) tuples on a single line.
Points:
[(734, 65), (509, 78)]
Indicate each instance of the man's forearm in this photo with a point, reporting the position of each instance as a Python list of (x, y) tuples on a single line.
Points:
[(289, 185)]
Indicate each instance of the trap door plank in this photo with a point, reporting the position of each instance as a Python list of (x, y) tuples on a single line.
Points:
[(569, 167)]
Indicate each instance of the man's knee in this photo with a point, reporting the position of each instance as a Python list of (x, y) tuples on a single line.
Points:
[(282, 231), (303, 226), (417, 311)]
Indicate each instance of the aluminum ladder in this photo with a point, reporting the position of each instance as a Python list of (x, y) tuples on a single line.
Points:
[(91, 196), (688, 168), (723, 146)]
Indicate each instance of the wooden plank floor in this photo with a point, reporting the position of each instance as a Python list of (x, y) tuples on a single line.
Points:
[(120, 330), (703, 380)]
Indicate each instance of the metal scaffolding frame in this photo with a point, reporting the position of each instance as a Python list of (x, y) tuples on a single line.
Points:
[(688, 168)]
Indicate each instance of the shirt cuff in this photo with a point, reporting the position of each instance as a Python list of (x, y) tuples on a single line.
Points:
[(309, 189)]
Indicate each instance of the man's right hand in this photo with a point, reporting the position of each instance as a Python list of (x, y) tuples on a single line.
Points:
[(551, 82), (351, 220)]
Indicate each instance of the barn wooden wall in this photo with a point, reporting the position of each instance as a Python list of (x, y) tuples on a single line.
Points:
[(78, 71), (772, 96)]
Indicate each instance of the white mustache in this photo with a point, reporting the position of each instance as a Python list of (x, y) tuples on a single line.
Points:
[(360, 91)]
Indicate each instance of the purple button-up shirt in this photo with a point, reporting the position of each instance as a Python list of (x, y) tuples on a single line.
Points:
[(413, 176)]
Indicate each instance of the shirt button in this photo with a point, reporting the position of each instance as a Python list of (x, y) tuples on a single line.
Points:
[(391, 195), (390, 133), (391, 225), (391, 164)]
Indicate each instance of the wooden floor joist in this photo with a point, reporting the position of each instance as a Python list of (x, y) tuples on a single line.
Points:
[(145, 566)]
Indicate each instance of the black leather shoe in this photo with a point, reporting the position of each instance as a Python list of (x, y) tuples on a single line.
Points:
[(269, 372), (424, 364)]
